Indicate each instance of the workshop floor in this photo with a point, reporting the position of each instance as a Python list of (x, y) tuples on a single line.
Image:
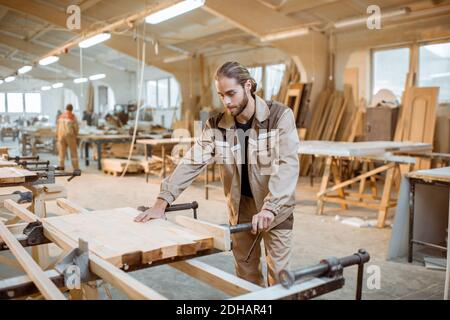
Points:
[(315, 238)]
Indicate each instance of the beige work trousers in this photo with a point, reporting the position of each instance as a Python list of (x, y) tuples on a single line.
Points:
[(63, 143), (277, 245)]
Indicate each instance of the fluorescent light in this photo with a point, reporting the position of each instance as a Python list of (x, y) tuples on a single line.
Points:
[(97, 76), (80, 80), (285, 34), (58, 85), (362, 20), (440, 75), (10, 79), (176, 58), (173, 11), (92, 41), (25, 69), (48, 60), (46, 88)]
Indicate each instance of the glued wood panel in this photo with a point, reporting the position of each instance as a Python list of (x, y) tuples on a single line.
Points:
[(114, 236), (16, 175)]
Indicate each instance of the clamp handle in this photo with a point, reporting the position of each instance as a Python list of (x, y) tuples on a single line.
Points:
[(177, 207), (75, 173)]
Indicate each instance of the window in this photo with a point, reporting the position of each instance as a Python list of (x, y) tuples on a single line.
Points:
[(152, 93), (174, 93), (273, 77), (434, 68), (15, 102), (163, 93), (2, 103), (390, 68), (256, 73), (111, 99), (70, 97), (33, 102)]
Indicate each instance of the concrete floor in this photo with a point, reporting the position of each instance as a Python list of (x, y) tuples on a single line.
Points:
[(315, 238)]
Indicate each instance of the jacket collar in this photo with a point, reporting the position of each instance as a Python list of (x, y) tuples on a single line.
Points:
[(262, 112)]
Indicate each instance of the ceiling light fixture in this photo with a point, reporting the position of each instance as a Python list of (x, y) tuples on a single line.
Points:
[(174, 10), (80, 80), (92, 41), (58, 85), (24, 69), (97, 77), (48, 60)]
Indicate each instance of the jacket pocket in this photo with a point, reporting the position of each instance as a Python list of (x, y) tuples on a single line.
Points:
[(223, 152)]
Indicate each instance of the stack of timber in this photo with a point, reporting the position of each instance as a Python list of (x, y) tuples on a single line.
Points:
[(291, 75), (116, 167), (334, 118), (294, 94)]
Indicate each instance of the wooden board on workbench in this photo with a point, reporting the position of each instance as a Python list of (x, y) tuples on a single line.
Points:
[(16, 175), (359, 149), (437, 174), (114, 236), (7, 164)]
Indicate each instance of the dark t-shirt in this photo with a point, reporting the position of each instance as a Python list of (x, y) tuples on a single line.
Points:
[(245, 185)]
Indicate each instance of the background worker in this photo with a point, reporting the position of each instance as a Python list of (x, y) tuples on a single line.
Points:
[(66, 134)]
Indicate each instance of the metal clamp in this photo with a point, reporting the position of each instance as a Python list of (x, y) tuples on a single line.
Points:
[(177, 207), (34, 232), (335, 267), (76, 263), (331, 268)]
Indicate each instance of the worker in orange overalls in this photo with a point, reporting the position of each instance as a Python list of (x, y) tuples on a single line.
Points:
[(66, 135)]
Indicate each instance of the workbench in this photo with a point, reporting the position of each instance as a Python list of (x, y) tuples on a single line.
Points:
[(12, 132), (42, 188), (369, 153), (427, 222), (6, 163), (38, 140), (150, 144), (91, 244), (99, 141)]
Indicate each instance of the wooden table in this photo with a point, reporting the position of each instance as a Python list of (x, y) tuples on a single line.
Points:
[(384, 151), (151, 143), (433, 177), (33, 136), (99, 141), (12, 132)]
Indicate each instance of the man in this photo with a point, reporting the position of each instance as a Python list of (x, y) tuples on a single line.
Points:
[(66, 135), (87, 116), (112, 121), (256, 143)]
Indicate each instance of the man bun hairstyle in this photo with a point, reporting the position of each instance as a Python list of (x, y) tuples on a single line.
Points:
[(235, 70)]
